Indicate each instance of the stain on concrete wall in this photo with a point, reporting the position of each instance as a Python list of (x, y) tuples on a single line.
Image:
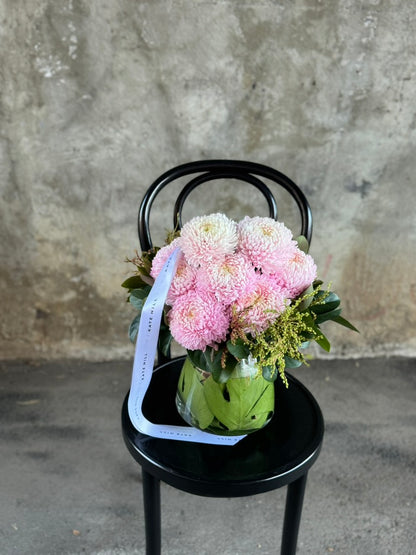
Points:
[(100, 97)]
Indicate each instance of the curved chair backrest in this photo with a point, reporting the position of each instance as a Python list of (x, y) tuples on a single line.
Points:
[(208, 170)]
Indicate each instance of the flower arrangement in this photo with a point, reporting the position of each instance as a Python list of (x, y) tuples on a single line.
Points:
[(241, 289)]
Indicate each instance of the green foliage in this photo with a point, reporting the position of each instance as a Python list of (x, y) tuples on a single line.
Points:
[(343, 322), (215, 362), (138, 297), (197, 358), (134, 328), (303, 243), (240, 403), (165, 339), (239, 350), (191, 389), (133, 282), (139, 286), (277, 348)]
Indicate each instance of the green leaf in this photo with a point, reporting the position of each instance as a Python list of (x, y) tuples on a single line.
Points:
[(191, 391), (198, 359), (238, 349), (270, 373), (138, 297), (141, 292), (330, 302), (137, 303), (213, 362), (133, 282), (292, 362), (134, 328), (241, 403), (223, 375), (345, 323), (331, 315), (305, 303), (165, 339), (322, 341), (210, 361), (302, 243)]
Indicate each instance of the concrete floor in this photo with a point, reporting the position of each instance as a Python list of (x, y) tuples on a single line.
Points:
[(69, 486)]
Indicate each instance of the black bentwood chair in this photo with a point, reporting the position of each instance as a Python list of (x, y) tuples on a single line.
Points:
[(279, 454)]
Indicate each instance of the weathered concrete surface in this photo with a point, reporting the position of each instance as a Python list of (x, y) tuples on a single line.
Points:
[(69, 486), (100, 97)]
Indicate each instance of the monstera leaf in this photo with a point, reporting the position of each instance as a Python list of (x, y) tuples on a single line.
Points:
[(191, 389), (241, 403)]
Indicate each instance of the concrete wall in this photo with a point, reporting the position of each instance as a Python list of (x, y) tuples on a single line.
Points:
[(99, 97)]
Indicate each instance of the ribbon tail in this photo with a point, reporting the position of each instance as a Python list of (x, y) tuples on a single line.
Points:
[(144, 358)]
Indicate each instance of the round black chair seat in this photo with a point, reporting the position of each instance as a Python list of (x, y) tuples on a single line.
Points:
[(265, 460)]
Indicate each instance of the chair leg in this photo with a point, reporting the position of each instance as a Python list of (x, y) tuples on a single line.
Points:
[(151, 500), (293, 512)]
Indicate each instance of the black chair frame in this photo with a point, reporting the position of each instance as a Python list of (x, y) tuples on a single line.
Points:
[(221, 169), (263, 461)]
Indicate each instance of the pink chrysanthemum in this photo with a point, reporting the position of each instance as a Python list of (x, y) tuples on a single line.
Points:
[(260, 305), (183, 281), (226, 278), (197, 322), (184, 278), (266, 242), (208, 238), (161, 257), (296, 274)]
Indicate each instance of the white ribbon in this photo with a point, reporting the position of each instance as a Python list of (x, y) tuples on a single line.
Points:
[(144, 357)]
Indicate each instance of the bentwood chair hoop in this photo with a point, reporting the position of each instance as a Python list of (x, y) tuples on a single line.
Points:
[(221, 169)]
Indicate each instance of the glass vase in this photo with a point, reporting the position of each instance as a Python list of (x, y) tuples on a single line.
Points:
[(244, 404)]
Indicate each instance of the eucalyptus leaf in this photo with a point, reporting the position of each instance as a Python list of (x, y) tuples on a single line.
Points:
[(141, 293), (134, 328), (137, 303), (302, 243), (138, 297), (292, 362), (238, 349), (270, 373), (165, 339)]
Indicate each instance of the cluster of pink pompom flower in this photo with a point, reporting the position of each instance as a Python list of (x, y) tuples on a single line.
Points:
[(251, 269)]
